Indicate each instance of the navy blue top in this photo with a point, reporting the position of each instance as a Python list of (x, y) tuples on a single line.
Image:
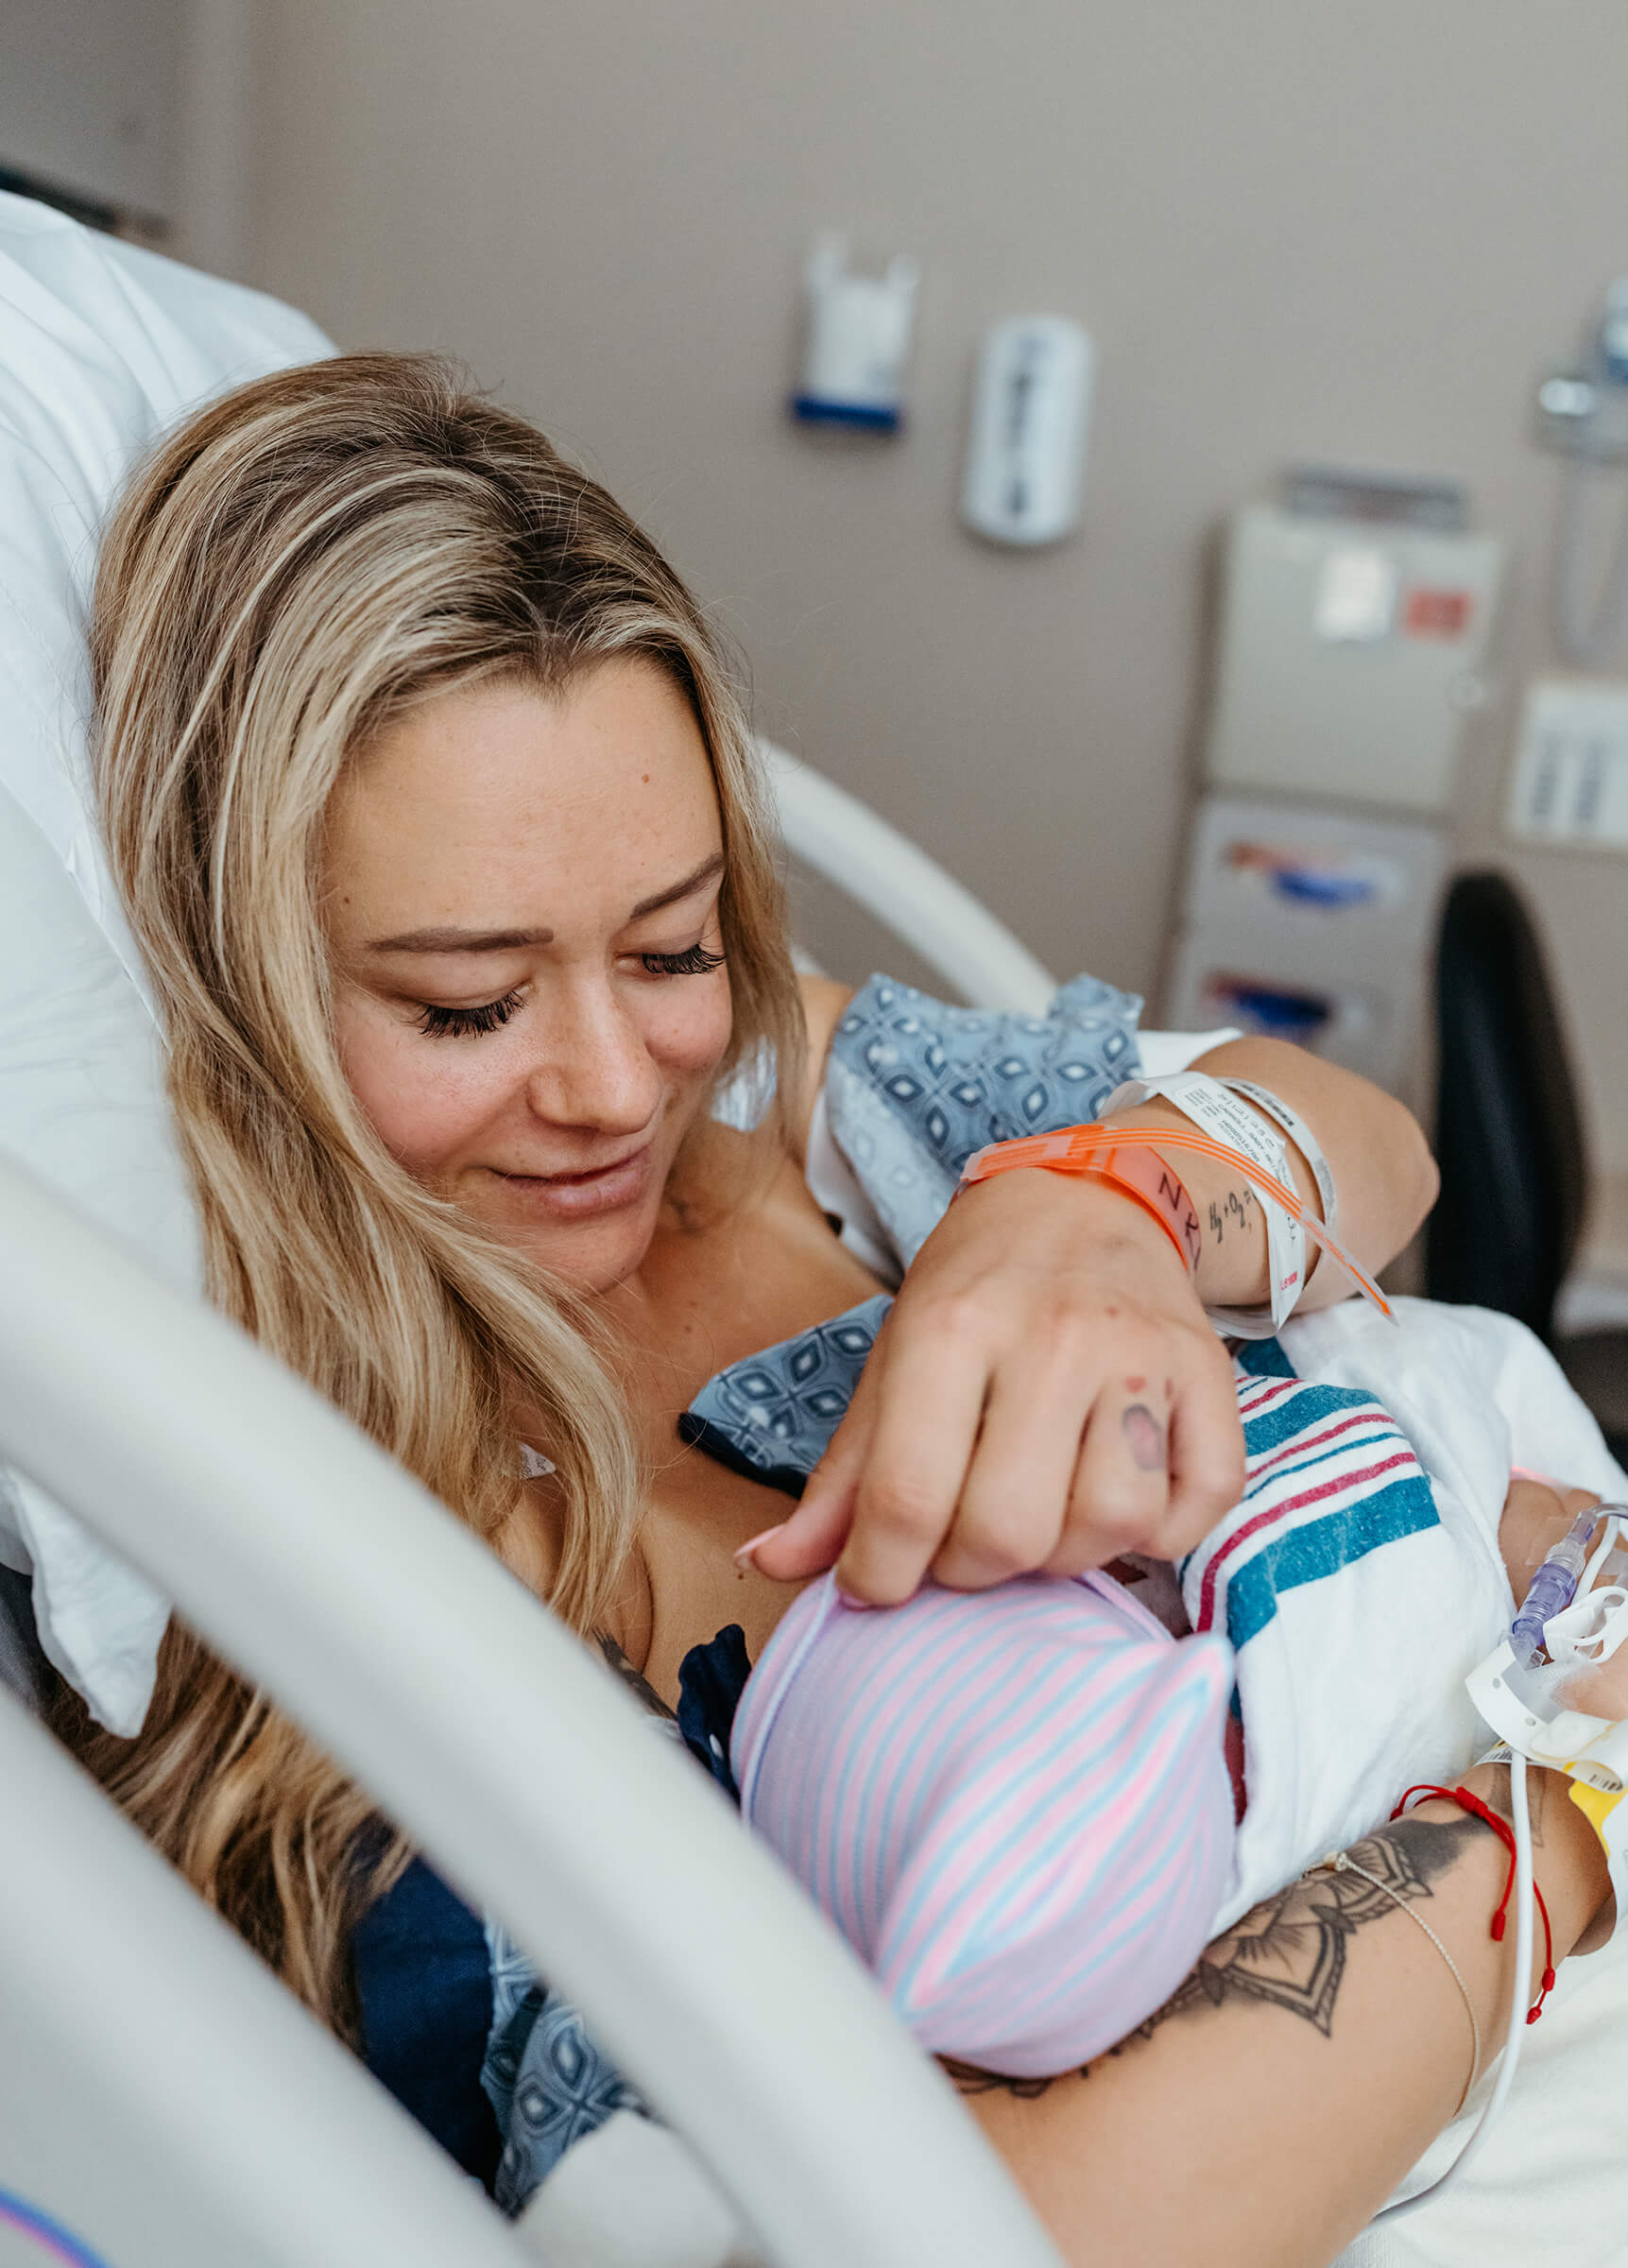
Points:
[(422, 1965), (424, 1979)]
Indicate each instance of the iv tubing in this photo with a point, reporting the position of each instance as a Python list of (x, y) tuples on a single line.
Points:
[(1519, 2002), (1602, 1550)]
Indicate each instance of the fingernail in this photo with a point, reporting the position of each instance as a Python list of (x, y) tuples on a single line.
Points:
[(749, 1548), (859, 1605)]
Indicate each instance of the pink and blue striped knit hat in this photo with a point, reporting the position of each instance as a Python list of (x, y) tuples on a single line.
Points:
[(1013, 1803)]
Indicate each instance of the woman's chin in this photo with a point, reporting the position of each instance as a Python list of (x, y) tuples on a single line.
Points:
[(592, 1254)]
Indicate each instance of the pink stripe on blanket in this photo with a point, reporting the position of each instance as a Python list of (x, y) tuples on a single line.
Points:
[(1342, 1482)]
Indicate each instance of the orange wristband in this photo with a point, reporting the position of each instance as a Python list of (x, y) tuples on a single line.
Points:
[(1076, 1149), (1135, 1173)]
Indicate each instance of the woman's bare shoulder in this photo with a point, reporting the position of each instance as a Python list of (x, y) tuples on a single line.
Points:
[(824, 1001)]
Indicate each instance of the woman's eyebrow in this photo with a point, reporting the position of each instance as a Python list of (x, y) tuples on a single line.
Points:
[(515, 940), (704, 872), (461, 940)]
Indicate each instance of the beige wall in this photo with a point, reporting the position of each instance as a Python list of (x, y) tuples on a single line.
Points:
[(1296, 229)]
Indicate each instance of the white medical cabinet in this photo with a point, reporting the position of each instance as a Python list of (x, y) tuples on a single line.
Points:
[(1353, 624), (1310, 924)]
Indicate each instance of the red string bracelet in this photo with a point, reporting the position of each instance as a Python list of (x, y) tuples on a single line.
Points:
[(1505, 1833)]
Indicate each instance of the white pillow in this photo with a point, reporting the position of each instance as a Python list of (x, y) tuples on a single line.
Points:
[(102, 348)]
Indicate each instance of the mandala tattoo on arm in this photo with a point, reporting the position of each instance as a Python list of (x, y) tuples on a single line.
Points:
[(1290, 1952)]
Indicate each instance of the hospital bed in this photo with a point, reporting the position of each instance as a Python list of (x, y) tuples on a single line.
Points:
[(163, 2103)]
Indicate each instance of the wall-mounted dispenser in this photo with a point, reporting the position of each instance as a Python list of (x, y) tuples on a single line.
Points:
[(1026, 457), (858, 340)]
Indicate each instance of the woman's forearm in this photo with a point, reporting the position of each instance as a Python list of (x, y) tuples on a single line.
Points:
[(1382, 1170), (1263, 2116)]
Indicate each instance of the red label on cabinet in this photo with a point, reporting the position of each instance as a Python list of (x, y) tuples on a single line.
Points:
[(1436, 613)]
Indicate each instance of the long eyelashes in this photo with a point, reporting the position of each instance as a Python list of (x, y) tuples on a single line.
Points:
[(696, 961), (463, 1024), (468, 1024)]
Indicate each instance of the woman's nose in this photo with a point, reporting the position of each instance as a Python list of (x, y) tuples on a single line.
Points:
[(596, 1072)]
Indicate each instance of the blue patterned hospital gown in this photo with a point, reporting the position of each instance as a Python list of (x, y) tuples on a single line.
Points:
[(500, 2067)]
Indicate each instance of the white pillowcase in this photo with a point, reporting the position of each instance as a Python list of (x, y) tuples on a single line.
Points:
[(102, 348)]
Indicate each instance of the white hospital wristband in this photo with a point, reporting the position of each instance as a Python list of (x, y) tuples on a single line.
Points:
[(1233, 1111), (1304, 1140)]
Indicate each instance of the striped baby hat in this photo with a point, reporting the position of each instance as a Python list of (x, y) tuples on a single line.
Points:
[(1013, 1803)]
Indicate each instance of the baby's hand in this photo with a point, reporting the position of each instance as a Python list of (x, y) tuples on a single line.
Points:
[(1536, 1515), (1602, 1692)]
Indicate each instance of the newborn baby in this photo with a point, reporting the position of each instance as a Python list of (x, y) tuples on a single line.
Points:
[(1030, 1808)]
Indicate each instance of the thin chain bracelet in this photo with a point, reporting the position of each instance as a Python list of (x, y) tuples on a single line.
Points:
[(1341, 1863)]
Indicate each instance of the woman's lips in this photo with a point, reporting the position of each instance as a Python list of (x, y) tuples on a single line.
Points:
[(578, 1197)]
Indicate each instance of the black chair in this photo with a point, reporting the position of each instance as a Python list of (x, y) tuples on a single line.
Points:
[(1509, 1140)]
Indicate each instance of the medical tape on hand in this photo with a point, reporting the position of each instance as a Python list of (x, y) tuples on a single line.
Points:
[(1212, 1104)]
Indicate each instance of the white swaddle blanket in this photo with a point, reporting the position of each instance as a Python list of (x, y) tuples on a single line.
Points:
[(1474, 1393), (1358, 1597)]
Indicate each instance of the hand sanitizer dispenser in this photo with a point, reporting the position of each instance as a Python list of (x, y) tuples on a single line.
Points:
[(858, 341)]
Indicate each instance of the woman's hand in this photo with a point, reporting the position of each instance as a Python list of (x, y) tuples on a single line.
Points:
[(1047, 1394)]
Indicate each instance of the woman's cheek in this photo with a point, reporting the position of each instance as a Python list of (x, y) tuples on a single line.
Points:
[(720, 1024), (421, 1110), (689, 1036)]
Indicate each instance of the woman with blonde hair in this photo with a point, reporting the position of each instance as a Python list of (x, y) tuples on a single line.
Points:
[(434, 809)]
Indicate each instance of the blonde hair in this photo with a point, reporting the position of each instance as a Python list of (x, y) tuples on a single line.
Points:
[(288, 572)]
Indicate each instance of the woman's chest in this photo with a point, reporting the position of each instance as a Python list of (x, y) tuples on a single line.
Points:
[(716, 1294), (713, 1298)]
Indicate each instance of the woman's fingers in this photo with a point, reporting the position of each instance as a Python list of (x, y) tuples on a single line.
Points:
[(811, 1539), (1071, 1471), (1207, 1463), (1022, 1414), (977, 1466), (1121, 1481), (1013, 1510), (928, 1410)]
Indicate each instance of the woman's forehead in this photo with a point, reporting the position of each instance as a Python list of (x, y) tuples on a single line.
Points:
[(504, 806)]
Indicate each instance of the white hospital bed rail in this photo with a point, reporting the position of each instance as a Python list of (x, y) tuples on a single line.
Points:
[(848, 843), (315, 1564), (159, 2098)]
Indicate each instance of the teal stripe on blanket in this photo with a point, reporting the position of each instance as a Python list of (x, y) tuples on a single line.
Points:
[(1265, 1358), (1298, 1413), (1323, 1547)]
